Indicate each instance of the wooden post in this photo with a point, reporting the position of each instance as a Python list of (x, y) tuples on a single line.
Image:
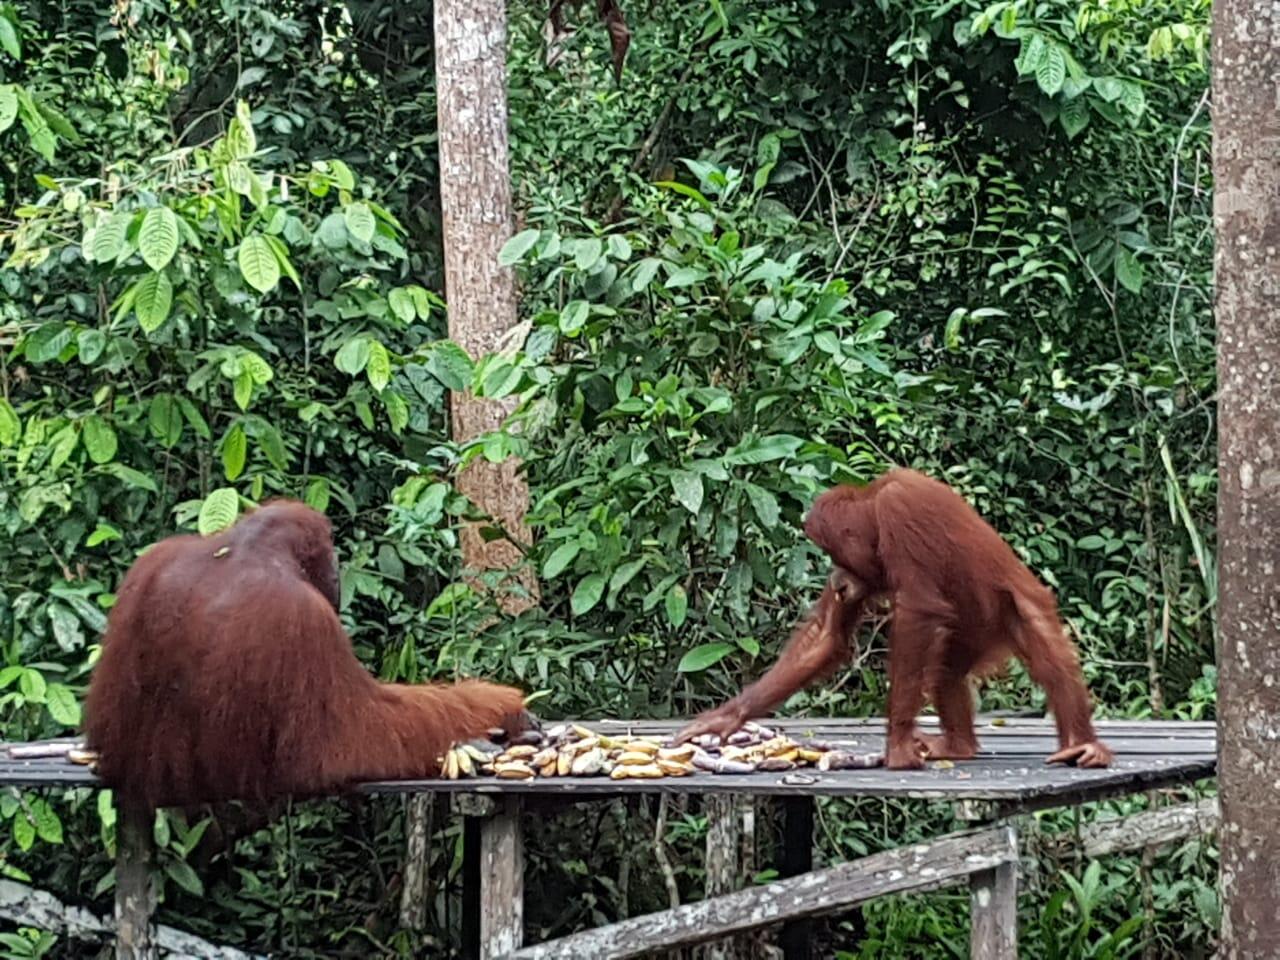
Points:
[(723, 864), (796, 859), (135, 892), (501, 882), (415, 895), (1246, 208), (993, 911)]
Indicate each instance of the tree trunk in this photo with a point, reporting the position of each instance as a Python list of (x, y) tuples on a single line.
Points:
[(475, 197), (1246, 173)]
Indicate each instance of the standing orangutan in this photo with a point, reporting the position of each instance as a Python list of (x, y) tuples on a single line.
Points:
[(226, 674), (963, 603)]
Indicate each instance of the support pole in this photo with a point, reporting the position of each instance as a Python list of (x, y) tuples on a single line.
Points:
[(501, 882), (135, 892)]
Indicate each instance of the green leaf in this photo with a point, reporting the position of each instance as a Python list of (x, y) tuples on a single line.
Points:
[(1031, 54), (360, 221), (378, 367), (258, 369), (703, 656), (777, 446), (342, 174), (765, 505), (587, 593), (242, 389), (152, 301), (90, 344), (677, 606), (67, 633), (450, 364), (103, 533), (1074, 117), (219, 511), (24, 831), (109, 237), (684, 277), (560, 559), (129, 476), (1108, 88), (1129, 270), (47, 342), (258, 263), (625, 574), (574, 317), (587, 253), (9, 38), (10, 425), (8, 106), (99, 439), (234, 449), (353, 357), (513, 250), (62, 705), (165, 419), (688, 488), (180, 872), (401, 303), (158, 237), (32, 685), (1052, 71), (1091, 542), (48, 826), (317, 494)]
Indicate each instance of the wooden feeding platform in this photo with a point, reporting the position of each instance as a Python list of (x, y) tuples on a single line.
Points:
[(1008, 778)]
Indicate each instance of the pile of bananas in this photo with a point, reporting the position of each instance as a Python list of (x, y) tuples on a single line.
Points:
[(571, 750)]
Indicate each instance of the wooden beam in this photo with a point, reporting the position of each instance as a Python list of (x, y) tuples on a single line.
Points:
[(1150, 828), (501, 882), (135, 891), (924, 866)]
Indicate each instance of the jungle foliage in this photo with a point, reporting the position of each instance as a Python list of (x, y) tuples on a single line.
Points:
[(794, 243)]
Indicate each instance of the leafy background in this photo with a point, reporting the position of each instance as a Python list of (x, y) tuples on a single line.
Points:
[(798, 242)]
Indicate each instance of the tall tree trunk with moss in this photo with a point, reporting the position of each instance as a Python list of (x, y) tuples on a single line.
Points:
[(1246, 173), (475, 195)]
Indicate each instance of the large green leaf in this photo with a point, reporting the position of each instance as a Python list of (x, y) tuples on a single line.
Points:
[(258, 263), (8, 106), (153, 300), (703, 656), (378, 368), (688, 488), (158, 237), (99, 439), (234, 449), (1052, 71), (360, 221), (218, 511), (587, 593)]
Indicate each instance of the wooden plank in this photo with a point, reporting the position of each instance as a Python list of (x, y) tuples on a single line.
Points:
[(983, 779), (796, 860), (501, 882), (993, 912), (1150, 828), (135, 892), (924, 866)]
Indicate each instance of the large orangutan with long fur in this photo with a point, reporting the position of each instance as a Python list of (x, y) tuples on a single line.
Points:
[(962, 604), (226, 674)]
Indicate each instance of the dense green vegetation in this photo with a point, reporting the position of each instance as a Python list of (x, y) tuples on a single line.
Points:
[(798, 242)]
